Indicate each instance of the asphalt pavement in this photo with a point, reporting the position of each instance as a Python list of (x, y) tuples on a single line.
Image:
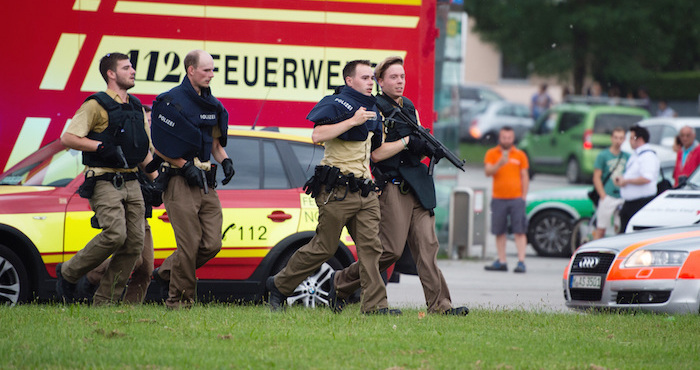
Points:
[(539, 289)]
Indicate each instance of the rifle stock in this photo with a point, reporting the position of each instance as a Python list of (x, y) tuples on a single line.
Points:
[(430, 139)]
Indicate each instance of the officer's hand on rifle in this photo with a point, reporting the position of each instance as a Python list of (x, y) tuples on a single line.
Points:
[(227, 164), (111, 154), (192, 174), (416, 144)]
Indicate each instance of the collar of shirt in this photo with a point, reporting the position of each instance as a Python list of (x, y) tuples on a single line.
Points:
[(113, 94)]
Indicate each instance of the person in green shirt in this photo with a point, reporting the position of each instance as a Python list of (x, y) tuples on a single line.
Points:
[(609, 164)]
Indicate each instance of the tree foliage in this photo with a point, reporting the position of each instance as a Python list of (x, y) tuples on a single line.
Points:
[(614, 42)]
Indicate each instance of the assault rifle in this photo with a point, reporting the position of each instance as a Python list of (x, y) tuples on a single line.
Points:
[(433, 144)]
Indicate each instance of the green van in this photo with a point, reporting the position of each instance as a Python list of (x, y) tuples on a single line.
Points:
[(567, 138)]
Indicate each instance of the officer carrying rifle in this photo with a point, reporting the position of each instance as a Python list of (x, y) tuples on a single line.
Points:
[(407, 200), (344, 191)]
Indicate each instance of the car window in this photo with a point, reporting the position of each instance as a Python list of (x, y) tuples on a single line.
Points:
[(668, 134), (521, 111), (606, 122), (570, 120), (504, 111), (308, 155), (245, 153), (489, 95), (275, 176), (468, 93), (53, 166), (655, 133)]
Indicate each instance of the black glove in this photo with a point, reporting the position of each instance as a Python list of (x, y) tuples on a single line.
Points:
[(154, 164), (111, 154), (227, 164), (152, 195), (416, 144), (193, 174)]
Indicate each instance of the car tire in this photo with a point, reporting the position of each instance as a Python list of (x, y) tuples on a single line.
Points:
[(582, 233), (14, 281), (573, 171), (314, 290), (549, 233)]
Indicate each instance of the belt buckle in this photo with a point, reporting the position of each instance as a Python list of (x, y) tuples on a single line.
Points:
[(118, 181)]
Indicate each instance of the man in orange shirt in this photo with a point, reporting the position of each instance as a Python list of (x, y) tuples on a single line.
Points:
[(508, 165)]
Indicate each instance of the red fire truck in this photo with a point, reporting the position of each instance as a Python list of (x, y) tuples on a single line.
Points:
[(274, 59)]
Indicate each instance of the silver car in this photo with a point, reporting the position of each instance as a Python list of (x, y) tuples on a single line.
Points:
[(656, 270), (483, 121)]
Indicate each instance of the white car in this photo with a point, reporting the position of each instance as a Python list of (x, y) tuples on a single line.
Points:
[(662, 134), (483, 121), (655, 270)]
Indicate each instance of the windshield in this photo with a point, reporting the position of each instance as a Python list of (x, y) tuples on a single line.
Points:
[(605, 123), (52, 165)]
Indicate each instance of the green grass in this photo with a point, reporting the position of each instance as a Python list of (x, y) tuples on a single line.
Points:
[(234, 336)]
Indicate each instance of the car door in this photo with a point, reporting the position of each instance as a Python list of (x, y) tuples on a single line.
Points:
[(540, 147)]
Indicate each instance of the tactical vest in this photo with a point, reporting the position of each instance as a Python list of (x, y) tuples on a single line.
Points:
[(405, 164), (339, 107), (183, 123), (125, 129)]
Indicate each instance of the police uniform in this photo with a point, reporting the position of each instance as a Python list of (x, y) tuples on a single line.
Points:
[(343, 205), (116, 198), (407, 202), (184, 125)]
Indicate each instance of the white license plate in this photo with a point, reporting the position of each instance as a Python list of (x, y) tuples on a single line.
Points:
[(586, 281)]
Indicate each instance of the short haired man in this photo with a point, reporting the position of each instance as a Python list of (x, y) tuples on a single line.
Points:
[(687, 157), (344, 192), (407, 199), (509, 167), (609, 164), (111, 130), (540, 102), (638, 183), (189, 127)]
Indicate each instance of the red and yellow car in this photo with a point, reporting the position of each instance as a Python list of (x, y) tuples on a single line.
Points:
[(654, 270), (267, 216)]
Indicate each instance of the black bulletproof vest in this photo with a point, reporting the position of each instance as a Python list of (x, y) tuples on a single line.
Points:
[(125, 129), (406, 164)]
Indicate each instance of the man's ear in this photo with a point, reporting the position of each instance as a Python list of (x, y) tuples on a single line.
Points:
[(112, 75)]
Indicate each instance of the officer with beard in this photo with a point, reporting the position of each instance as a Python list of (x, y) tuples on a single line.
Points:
[(344, 192), (407, 199), (111, 130), (189, 126)]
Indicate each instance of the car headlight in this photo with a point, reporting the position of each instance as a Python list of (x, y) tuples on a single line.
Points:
[(651, 258)]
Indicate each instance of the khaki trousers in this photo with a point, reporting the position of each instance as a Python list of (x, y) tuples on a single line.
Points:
[(404, 219), (196, 219), (121, 214), (141, 276), (361, 215)]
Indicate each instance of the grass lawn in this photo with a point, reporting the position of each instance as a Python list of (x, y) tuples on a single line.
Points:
[(249, 336), (473, 153)]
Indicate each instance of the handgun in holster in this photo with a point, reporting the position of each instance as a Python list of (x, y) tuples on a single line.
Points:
[(88, 187)]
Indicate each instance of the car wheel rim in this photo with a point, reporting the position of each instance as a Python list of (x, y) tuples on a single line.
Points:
[(552, 234), (314, 289), (9, 283)]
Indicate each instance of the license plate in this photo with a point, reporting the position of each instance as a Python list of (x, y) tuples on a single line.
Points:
[(586, 281)]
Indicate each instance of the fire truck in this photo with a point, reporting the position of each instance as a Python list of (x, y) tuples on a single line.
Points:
[(273, 59)]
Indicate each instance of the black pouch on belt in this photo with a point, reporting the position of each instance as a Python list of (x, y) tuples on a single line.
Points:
[(88, 187), (211, 176)]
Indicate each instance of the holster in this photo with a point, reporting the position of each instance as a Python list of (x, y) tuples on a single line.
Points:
[(88, 187), (331, 177)]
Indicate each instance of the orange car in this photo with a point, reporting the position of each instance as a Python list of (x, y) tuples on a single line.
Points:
[(267, 216)]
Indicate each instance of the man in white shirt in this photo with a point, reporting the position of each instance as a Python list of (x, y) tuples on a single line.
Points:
[(638, 183)]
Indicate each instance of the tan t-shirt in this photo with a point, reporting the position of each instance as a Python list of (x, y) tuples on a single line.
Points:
[(350, 156), (92, 117)]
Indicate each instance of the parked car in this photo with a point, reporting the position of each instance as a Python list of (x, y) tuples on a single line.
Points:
[(567, 138), (266, 217), (662, 134), (654, 270), (483, 121), (561, 219), (469, 95)]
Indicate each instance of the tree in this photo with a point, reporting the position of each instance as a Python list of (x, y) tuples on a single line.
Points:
[(612, 41)]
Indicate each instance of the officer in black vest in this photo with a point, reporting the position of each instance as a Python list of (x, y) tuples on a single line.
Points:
[(111, 130), (407, 200), (190, 125)]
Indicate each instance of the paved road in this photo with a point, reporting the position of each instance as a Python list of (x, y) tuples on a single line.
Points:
[(538, 289)]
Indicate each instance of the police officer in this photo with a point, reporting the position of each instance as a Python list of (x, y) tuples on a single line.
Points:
[(110, 129), (407, 199), (189, 126), (347, 124)]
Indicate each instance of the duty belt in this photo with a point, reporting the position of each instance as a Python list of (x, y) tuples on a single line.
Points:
[(118, 179), (330, 178), (210, 175)]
